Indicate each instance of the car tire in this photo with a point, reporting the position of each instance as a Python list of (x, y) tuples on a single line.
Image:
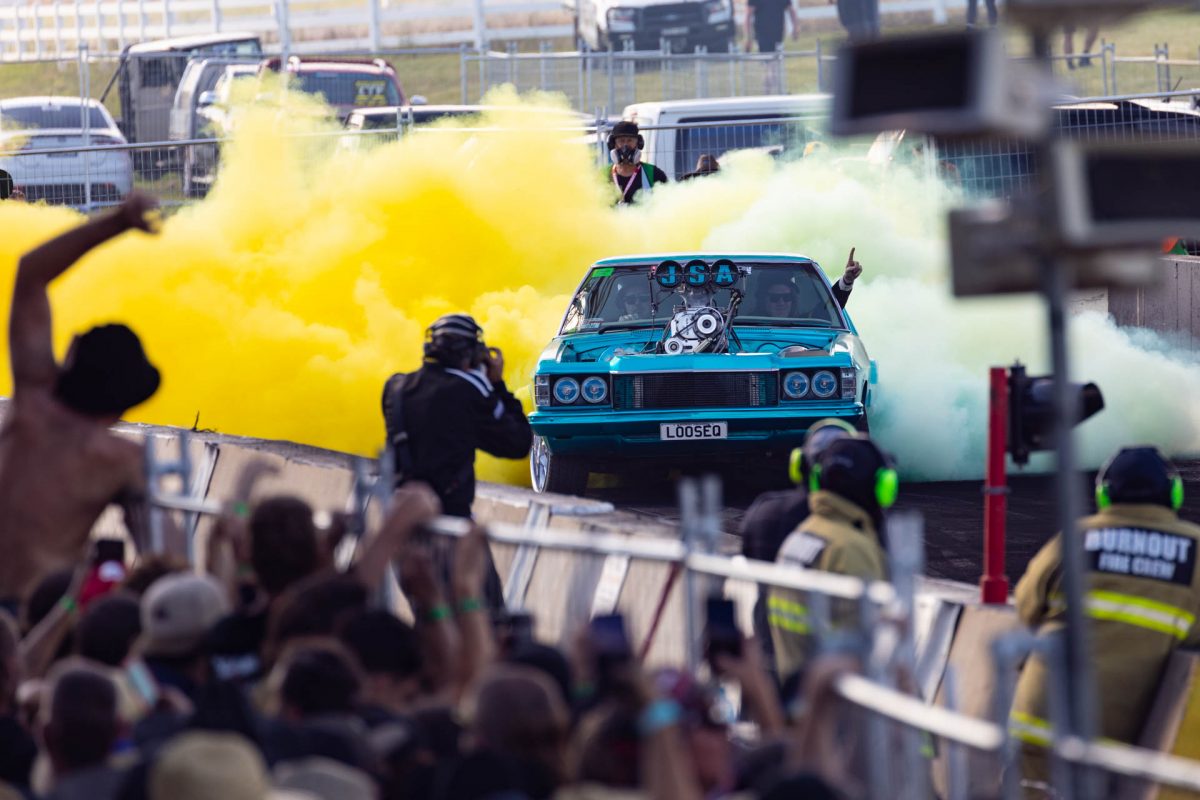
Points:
[(556, 474)]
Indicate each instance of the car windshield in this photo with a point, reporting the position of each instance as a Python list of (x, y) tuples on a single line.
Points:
[(775, 294), (704, 136), (350, 88), (66, 116)]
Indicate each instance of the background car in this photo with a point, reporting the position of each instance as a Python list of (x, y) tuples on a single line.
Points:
[(211, 120), (696, 372), (345, 84), (682, 25), (67, 174)]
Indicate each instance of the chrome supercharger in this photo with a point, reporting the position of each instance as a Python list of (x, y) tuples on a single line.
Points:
[(698, 323)]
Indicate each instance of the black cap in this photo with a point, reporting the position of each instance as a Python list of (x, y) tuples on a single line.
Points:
[(848, 468), (1138, 475), (106, 372)]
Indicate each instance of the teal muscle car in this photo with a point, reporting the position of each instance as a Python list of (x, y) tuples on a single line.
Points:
[(693, 359)]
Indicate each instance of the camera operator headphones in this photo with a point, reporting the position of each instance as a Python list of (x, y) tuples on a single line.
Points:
[(458, 333), (819, 436), (887, 480), (1139, 475)]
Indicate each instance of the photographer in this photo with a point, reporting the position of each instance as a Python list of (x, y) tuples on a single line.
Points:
[(455, 404)]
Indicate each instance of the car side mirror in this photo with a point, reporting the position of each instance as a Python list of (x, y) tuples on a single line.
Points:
[(206, 99), (418, 100)]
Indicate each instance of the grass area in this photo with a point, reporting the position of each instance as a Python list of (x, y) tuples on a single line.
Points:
[(439, 76)]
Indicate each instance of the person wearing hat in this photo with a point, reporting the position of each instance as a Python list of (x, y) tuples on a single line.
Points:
[(1143, 595), (178, 611), (60, 465), (851, 482), (774, 515), (629, 174)]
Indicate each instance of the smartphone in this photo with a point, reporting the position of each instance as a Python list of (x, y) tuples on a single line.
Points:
[(139, 679), (721, 633), (520, 629), (106, 550)]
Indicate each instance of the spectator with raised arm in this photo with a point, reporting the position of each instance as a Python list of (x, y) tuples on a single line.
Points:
[(60, 465)]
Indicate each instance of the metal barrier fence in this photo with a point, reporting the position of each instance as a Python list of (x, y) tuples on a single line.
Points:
[(182, 170), (605, 82)]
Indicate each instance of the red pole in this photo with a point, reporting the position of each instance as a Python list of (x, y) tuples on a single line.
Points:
[(994, 584)]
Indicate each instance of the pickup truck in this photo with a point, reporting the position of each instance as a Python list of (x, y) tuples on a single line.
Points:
[(682, 25)]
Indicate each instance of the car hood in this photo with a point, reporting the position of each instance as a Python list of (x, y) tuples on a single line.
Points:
[(766, 347)]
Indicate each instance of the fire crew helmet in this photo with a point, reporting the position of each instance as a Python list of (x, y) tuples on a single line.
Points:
[(625, 128), (855, 468), (1139, 475), (819, 437), (453, 337)]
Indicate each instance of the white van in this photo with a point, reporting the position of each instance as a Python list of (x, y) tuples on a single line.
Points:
[(678, 132)]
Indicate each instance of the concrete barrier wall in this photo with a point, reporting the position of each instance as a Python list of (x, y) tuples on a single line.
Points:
[(1172, 306)]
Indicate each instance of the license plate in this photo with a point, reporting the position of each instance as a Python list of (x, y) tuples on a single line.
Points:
[(680, 31), (679, 431)]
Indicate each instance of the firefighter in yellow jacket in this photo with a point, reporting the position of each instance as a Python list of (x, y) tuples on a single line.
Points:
[(851, 483), (1143, 594)]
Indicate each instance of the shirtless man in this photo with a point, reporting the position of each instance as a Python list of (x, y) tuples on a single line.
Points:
[(60, 466)]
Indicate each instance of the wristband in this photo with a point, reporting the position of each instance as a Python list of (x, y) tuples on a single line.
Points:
[(68, 603), (438, 613), (469, 604), (658, 715)]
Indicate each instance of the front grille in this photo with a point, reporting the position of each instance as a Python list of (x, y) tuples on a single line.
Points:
[(672, 16), (696, 390)]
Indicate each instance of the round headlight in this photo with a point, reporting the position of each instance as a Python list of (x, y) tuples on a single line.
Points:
[(566, 390), (595, 389), (795, 385), (824, 384)]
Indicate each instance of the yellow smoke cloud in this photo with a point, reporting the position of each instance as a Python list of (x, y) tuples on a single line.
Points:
[(279, 305)]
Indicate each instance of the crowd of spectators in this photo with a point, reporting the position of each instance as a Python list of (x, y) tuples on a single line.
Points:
[(275, 674)]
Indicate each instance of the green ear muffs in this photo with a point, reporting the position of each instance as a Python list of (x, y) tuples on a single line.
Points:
[(1103, 500), (887, 487), (796, 466)]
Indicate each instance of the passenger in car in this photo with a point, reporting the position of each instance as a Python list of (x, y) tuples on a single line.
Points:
[(780, 299)]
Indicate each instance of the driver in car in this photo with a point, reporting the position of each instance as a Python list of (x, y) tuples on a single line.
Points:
[(634, 305), (780, 295)]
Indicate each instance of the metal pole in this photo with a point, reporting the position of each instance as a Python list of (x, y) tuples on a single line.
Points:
[(1058, 280), (1105, 63), (994, 583), (612, 86), (480, 25), (37, 29), (216, 16), (1113, 86), (688, 524), (168, 18), (373, 25), (820, 67), (85, 121), (462, 71), (120, 25)]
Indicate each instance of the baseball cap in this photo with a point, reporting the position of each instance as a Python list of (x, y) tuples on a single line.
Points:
[(177, 612)]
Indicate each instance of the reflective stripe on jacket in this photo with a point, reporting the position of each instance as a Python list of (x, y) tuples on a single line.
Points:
[(837, 536)]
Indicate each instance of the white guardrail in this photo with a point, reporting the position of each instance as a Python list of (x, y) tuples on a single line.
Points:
[(30, 31)]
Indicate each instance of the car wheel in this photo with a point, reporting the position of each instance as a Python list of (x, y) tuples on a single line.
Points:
[(558, 474)]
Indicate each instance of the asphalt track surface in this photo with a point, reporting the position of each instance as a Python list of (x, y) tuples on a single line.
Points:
[(953, 512)]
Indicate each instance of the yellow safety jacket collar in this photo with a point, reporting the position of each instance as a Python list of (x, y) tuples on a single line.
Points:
[(838, 509)]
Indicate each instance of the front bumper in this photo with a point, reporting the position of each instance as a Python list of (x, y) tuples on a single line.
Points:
[(624, 435), (713, 37)]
